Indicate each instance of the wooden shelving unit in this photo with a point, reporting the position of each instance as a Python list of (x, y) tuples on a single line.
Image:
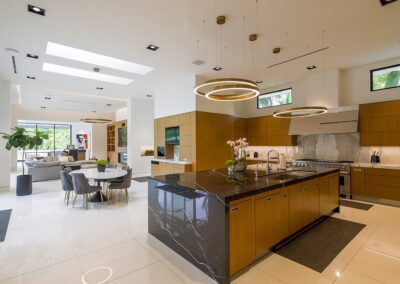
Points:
[(111, 138)]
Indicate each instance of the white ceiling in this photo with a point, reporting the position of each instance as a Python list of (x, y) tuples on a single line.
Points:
[(357, 32)]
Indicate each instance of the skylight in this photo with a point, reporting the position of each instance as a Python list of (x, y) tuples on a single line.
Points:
[(59, 69), (76, 54)]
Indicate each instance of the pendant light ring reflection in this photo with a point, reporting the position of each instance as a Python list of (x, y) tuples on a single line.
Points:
[(96, 120), (300, 112), (237, 89)]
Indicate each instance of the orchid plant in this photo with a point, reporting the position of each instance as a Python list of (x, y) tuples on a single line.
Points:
[(239, 148)]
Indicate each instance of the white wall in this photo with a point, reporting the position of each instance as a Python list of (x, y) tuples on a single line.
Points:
[(121, 114), (140, 133), (175, 96), (356, 85), (99, 141), (5, 124), (321, 89)]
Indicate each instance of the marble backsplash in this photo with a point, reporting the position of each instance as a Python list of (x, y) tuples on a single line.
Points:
[(331, 147)]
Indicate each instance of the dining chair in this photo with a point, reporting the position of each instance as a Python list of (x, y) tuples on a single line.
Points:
[(125, 167), (82, 187), (111, 166), (123, 185), (66, 183)]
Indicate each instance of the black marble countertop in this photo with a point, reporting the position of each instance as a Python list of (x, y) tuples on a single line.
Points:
[(231, 186)]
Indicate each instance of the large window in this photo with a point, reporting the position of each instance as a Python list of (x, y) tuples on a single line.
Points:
[(385, 78), (59, 138), (277, 98)]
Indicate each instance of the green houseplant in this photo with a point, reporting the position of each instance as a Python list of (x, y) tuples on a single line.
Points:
[(101, 165), (22, 140)]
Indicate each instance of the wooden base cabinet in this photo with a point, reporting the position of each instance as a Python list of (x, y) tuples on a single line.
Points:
[(165, 168), (270, 220), (241, 235), (357, 181), (303, 204)]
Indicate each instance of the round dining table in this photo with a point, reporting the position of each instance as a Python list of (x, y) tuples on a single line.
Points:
[(104, 177)]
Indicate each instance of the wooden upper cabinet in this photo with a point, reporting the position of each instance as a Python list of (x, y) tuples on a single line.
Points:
[(269, 131), (379, 124)]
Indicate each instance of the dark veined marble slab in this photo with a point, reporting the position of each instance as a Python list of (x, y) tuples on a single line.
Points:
[(189, 212)]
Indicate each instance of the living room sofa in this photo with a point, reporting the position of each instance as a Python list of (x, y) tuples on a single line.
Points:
[(49, 168)]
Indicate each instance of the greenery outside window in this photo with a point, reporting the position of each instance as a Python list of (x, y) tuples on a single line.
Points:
[(385, 78), (60, 136), (277, 98)]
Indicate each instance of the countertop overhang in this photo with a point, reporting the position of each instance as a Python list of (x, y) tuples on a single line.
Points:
[(232, 186)]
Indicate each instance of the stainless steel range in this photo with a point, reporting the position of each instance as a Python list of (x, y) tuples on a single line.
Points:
[(343, 166)]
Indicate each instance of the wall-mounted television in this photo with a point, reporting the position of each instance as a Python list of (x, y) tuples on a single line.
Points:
[(122, 137), (172, 135)]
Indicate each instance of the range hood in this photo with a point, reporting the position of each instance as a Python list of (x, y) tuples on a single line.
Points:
[(338, 120)]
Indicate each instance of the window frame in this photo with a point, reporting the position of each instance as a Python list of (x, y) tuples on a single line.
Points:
[(277, 91), (371, 84)]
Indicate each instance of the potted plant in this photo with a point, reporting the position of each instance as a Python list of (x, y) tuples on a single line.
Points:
[(239, 147), (21, 140), (101, 165)]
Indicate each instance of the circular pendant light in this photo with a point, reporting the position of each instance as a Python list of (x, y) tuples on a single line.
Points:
[(300, 112), (228, 89), (95, 120)]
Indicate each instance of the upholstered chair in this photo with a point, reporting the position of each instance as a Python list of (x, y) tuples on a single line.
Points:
[(66, 183), (111, 166), (82, 187), (123, 185)]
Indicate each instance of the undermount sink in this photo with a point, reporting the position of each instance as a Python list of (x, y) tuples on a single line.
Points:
[(288, 175)]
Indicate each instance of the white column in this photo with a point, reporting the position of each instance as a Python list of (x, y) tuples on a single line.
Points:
[(140, 119), (5, 125)]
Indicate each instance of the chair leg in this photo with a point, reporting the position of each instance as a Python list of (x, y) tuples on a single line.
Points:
[(87, 201), (101, 196), (76, 195), (126, 194), (68, 197), (65, 196)]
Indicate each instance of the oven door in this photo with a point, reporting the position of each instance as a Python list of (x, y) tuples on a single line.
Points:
[(345, 185)]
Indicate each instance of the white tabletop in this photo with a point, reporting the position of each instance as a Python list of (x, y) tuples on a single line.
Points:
[(93, 173)]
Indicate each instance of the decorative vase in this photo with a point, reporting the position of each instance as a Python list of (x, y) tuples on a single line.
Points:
[(101, 168), (240, 166)]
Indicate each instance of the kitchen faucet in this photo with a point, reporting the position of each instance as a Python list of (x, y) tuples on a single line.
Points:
[(268, 156)]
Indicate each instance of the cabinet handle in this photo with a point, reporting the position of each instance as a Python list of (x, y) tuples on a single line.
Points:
[(235, 209), (302, 189), (284, 195), (269, 198)]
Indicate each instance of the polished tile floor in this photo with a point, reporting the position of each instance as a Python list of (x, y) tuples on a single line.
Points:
[(48, 242)]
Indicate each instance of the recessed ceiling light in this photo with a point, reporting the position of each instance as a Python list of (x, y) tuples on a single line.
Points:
[(149, 96), (36, 10), (108, 105), (198, 62), (33, 56), (99, 88), (94, 111), (311, 67), (47, 98), (59, 69), (31, 77), (217, 68), (43, 107), (259, 81), (152, 47), (80, 55)]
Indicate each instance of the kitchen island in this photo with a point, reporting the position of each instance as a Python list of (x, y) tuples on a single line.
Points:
[(222, 222)]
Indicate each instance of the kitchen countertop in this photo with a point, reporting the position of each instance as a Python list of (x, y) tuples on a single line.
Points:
[(172, 161), (232, 186), (378, 166)]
